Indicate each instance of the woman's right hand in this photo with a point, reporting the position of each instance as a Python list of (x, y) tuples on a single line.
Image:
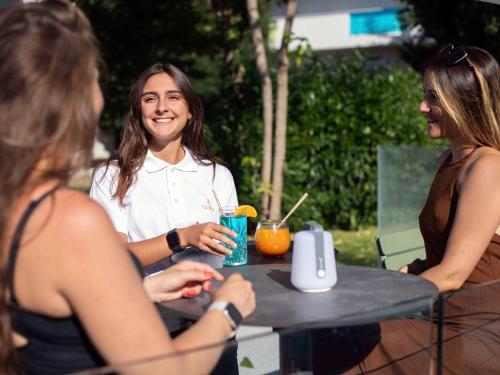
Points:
[(202, 236), (185, 279), (239, 292)]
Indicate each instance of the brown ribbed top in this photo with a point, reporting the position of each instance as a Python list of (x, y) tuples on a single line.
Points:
[(470, 317), (437, 218)]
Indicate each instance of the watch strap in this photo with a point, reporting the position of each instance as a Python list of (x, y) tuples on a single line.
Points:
[(231, 313)]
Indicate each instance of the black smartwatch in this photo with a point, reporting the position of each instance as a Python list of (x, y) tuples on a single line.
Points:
[(173, 241), (231, 313)]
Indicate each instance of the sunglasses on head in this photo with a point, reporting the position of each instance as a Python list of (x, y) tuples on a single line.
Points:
[(455, 55)]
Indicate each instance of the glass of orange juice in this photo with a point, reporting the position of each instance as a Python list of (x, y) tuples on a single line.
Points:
[(271, 238)]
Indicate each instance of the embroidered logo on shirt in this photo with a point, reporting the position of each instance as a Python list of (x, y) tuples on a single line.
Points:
[(207, 206)]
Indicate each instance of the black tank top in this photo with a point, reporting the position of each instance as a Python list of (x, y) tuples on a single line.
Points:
[(55, 345)]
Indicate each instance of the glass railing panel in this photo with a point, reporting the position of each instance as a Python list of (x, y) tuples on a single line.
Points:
[(404, 176)]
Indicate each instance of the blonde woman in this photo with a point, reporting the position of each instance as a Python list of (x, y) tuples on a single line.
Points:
[(460, 222)]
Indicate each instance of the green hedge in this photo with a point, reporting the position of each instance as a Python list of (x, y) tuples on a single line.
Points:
[(339, 110)]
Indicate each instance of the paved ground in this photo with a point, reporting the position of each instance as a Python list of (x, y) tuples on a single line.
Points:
[(261, 346)]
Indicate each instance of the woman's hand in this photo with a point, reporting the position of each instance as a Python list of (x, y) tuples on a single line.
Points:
[(203, 236), (404, 269), (186, 279), (239, 292)]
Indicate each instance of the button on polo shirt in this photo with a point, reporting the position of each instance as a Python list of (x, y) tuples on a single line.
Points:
[(164, 196)]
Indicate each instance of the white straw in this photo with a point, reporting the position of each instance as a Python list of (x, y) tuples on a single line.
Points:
[(293, 208), (217, 199)]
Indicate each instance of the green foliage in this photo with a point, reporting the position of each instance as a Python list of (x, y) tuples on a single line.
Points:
[(234, 128), (135, 34), (246, 363), (462, 22), (339, 111), (356, 247)]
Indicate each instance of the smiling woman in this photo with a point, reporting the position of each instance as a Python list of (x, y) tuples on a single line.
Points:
[(460, 221), (164, 111), (161, 184)]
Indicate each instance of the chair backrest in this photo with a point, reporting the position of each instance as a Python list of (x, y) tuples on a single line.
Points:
[(400, 248), (404, 175)]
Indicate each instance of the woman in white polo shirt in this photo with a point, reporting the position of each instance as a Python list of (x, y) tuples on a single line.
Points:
[(159, 190)]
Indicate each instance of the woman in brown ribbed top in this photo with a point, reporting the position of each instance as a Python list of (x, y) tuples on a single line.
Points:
[(460, 222)]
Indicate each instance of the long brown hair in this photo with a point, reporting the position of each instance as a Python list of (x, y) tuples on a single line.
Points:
[(469, 91), (48, 57), (135, 140)]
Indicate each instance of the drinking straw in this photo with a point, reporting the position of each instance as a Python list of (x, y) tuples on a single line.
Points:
[(293, 209), (217, 199)]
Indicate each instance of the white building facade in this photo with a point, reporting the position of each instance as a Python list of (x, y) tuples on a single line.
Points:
[(346, 25)]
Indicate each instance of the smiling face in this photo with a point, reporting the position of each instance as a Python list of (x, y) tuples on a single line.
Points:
[(164, 110), (439, 123)]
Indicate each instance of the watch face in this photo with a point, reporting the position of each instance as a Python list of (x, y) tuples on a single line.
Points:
[(173, 241)]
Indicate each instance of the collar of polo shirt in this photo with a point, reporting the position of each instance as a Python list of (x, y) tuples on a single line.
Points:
[(154, 164)]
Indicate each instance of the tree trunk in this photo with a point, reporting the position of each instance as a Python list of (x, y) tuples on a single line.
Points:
[(267, 103), (281, 113)]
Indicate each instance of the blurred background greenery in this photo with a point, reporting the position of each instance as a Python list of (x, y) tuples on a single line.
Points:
[(340, 107)]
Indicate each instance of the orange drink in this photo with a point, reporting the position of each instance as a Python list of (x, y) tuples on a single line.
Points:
[(271, 239)]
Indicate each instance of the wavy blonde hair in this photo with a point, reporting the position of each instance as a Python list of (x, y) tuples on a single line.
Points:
[(49, 55), (469, 91)]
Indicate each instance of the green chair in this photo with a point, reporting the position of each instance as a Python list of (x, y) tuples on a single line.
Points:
[(399, 248)]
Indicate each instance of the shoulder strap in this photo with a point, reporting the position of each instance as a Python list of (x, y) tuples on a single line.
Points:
[(16, 240), (444, 158)]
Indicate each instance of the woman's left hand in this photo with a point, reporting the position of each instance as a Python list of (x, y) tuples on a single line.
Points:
[(186, 279)]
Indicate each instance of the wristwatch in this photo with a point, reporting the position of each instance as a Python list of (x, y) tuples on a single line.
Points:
[(231, 313), (173, 241)]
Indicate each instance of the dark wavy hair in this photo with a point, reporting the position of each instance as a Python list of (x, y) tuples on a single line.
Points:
[(135, 140), (48, 59)]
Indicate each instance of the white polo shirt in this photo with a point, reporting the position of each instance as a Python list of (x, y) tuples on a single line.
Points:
[(164, 196)]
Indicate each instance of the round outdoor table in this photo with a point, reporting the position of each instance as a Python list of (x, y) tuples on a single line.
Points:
[(362, 295)]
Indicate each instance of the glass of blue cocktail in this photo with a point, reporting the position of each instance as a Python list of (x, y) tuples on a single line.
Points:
[(237, 222)]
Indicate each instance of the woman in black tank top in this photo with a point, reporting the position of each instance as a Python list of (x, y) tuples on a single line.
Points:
[(55, 346), (71, 297)]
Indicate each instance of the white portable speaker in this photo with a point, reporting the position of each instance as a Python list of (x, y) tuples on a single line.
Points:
[(313, 260)]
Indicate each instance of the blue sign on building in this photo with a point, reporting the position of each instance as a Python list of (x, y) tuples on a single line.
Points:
[(380, 22)]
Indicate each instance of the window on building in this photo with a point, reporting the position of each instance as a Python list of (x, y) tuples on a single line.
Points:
[(380, 22)]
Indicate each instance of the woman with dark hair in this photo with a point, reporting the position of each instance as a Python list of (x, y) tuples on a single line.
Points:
[(160, 190), (71, 295), (460, 221)]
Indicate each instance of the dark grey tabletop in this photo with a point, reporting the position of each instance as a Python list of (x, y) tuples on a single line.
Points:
[(253, 258), (362, 295)]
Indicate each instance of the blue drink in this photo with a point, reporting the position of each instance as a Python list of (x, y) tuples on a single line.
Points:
[(237, 224)]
